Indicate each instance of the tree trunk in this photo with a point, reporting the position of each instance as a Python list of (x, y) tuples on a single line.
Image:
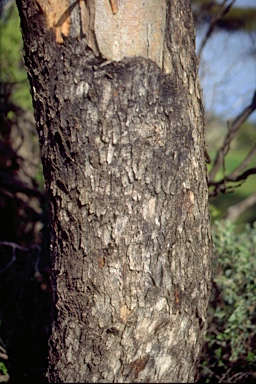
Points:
[(121, 128)]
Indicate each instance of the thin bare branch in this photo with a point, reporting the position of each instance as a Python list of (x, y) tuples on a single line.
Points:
[(224, 376), (234, 179), (221, 185), (233, 128), (13, 259), (250, 156), (210, 371), (16, 246), (223, 9), (236, 210), (238, 376)]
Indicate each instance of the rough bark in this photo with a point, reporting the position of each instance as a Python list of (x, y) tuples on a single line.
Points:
[(122, 146)]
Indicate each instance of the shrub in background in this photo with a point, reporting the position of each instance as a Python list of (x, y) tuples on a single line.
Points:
[(230, 349)]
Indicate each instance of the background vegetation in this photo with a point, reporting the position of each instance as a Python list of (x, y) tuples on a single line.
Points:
[(229, 351), (230, 348)]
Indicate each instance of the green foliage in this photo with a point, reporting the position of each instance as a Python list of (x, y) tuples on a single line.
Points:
[(13, 71), (3, 368), (231, 338)]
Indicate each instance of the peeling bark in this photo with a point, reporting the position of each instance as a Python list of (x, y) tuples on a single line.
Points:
[(122, 145)]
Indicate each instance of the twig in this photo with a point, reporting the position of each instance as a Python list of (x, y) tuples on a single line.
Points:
[(245, 162), (113, 4), (210, 371), (24, 249), (238, 376), (13, 259), (224, 376), (223, 9), (236, 210), (234, 179), (221, 185), (230, 136)]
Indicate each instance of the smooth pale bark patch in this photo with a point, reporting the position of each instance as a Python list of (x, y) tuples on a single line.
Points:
[(137, 29), (113, 29)]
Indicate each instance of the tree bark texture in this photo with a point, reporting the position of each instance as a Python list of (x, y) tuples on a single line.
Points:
[(122, 145)]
